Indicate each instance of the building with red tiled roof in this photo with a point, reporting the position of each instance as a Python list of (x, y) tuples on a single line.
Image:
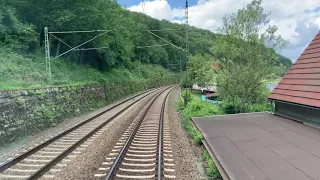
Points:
[(297, 96)]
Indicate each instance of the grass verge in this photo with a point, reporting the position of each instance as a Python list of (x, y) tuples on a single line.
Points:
[(197, 108), (25, 72)]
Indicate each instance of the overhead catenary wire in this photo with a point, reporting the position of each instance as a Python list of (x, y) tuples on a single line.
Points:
[(81, 44), (166, 41), (167, 30), (70, 32), (88, 49), (61, 41), (139, 47)]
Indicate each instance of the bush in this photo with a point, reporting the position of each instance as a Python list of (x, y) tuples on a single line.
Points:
[(186, 98), (230, 109), (259, 107), (186, 83), (196, 108), (212, 170), (22, 72)]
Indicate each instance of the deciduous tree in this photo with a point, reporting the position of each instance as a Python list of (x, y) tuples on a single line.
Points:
[(246, 54)]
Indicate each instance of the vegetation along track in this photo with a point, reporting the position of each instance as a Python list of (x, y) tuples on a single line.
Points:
[(57, 151), (144, 150)]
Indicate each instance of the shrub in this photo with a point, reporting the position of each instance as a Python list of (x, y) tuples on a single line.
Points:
[(196, 108), (212, 170)]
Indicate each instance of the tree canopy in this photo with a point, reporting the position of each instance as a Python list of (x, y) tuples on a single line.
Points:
[(23, 22), (246, 55)]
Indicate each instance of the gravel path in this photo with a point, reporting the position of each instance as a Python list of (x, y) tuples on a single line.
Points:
[(187, 157), (14, 149), (87, 163)]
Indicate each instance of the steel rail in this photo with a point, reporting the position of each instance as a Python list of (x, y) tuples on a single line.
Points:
[(112, 172), (57, 159), (160, 138), (19, 158), (119, 158)]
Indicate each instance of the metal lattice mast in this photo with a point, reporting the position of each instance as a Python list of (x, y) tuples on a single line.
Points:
[(143, 7), (76, 48), (187, 37), (47, 52)]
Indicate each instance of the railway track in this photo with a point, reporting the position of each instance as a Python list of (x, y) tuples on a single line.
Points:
[(49, 157), (144, 150)]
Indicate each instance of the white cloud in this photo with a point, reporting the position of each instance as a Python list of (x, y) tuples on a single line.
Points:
[(159, 9), (297, 21)]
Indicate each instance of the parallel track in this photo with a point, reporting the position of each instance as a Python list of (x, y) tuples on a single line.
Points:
[(38, 160), (144, 150)]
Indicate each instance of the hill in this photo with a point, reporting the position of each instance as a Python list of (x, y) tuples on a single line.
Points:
[(123, 47)]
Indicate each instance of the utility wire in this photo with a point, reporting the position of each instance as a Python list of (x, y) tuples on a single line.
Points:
[(81, 44), (69, 32), (139, 47), (61, 41)]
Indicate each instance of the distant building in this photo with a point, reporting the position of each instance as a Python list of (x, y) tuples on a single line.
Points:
[(297, 96), (208, 89)]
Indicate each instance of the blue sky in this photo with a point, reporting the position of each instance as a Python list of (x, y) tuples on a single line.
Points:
[(173, 3), (298, 21)]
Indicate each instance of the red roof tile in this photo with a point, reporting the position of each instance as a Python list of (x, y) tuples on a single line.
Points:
[(301, 84)]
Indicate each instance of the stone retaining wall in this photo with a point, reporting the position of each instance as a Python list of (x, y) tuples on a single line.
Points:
[(26, 111)]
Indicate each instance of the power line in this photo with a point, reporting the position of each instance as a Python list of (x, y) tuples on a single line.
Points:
[(166, 41), (139, 47), (167, 30), (88, 49), (81, 44), (69, 32)]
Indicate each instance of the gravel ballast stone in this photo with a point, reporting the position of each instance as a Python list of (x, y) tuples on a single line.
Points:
[(88, 162), (187, 164), (23, 144)]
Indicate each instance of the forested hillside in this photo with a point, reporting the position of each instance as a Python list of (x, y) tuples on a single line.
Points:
[(22, 32)]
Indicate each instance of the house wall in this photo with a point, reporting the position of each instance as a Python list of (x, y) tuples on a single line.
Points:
[(300, 113)]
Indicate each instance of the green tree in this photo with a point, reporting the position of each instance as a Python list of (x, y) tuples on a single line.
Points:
[(13, 33), (200, 71), (23, 21), (246, 54)]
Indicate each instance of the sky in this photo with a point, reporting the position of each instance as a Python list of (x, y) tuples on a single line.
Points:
[(298, 21)]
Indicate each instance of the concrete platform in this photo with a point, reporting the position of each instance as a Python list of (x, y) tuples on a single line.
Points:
[(261, 146)]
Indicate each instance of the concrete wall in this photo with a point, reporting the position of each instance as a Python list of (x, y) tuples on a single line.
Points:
[(303, 114)]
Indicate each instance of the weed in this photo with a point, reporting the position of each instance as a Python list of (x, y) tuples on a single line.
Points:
[(212, 170), (197, 108)]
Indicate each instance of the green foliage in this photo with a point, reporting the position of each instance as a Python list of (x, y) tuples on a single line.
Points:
[(246, 55), (21, 72), (186, 81), (186, 98), (200, 70), (128, 30), (196, 108), (45, 114), (13, 33), (212, 170), (22, 27)]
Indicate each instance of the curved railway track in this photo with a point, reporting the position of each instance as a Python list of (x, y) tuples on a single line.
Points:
[(51, 156), (144, 150)]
